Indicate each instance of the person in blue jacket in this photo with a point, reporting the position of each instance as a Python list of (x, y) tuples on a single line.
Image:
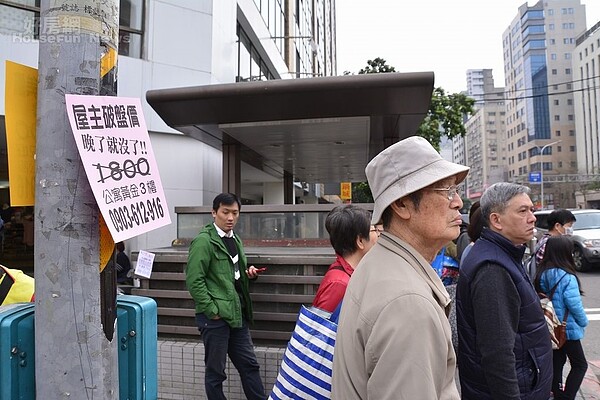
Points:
[(557, 269)]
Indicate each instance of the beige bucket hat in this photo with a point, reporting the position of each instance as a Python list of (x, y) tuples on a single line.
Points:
[(404, 168)]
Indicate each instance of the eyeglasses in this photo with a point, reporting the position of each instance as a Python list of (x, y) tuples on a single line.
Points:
[(376, 230), (452, 191)]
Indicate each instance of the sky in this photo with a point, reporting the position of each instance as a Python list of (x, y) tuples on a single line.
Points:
[(447, 37)]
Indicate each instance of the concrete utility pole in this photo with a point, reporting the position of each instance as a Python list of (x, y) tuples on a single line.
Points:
[(76, 355)]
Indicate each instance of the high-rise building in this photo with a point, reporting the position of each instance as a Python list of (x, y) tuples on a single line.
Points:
[(484, 144), (166, 44), (586, 69), (479, 82), (540, 118)]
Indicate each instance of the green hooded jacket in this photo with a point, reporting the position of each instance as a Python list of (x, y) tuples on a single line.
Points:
[(210, 278)]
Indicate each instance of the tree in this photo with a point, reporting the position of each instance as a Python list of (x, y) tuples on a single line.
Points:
[(376, 66), (445, 116), (361, 193)]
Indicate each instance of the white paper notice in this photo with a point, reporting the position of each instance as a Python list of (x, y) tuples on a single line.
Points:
[(115, 150), (144, 264)]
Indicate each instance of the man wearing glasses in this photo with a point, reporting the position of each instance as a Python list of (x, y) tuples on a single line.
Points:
[(352, 236), (505, 350), (394, 340)]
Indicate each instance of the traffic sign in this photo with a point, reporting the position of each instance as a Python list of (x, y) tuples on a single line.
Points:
[(535, 177)]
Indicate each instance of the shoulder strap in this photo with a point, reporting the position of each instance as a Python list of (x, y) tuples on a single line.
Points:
[(555, 286), (5, 285)]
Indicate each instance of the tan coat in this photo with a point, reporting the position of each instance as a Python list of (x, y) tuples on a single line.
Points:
[(394, 339)]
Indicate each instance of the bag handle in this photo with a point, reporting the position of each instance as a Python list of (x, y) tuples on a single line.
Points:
[(335, 315)]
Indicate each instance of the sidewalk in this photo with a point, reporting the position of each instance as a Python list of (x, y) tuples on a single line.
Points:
[(590, 388)]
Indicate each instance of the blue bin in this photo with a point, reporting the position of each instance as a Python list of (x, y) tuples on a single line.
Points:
[(137, 341), (17, 352), (138, 357)]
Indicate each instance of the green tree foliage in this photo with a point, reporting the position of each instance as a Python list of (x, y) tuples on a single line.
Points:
[(376, 66), (361, 193), (445, 116)]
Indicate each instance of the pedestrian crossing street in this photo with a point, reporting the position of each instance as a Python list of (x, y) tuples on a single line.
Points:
[(593, 314)]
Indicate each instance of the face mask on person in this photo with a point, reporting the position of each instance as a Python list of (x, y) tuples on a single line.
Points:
[(568, 231)]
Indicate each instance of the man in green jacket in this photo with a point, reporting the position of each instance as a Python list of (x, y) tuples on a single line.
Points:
[(217, 277)]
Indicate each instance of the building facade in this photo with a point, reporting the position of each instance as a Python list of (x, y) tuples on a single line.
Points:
[(586, 68), (483, 148), (540, 117), (485, 144), (170, 43)]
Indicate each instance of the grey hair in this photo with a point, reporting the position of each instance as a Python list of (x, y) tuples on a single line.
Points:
[(496, 198)]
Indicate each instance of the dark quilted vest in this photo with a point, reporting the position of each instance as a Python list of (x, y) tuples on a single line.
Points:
[(533, 351)]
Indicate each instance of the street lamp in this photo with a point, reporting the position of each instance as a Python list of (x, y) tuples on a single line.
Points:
[(542, 170)]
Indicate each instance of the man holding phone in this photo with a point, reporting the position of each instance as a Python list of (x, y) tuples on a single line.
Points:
[(217, 277)]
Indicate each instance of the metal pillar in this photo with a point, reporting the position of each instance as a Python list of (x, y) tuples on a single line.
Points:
[(74, 358), (232, 181)]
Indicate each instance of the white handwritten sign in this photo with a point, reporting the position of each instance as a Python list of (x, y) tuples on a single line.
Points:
[(144, 264), (115, 149)]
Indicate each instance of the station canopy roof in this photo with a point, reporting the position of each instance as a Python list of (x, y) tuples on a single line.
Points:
[(322, 130)]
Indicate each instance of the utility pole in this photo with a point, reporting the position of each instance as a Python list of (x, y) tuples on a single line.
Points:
[(76, 354), (542, 170)]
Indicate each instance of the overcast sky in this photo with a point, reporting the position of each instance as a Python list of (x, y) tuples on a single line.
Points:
[(444, 36)]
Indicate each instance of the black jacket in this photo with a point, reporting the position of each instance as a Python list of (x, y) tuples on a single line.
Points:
[(495, 295)]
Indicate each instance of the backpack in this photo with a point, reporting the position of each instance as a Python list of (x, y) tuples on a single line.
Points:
[(531, 263)]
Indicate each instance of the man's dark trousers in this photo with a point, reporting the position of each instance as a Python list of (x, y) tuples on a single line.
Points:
[(221, 340)]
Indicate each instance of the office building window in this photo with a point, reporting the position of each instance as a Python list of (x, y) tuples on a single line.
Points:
[(22, 17), (251, 66), (273, 15), (131, 27)]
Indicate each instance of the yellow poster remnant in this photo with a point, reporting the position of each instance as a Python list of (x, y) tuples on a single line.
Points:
[(21, 108)]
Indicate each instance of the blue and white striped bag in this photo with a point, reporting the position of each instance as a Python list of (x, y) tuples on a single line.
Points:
[(306, 368)]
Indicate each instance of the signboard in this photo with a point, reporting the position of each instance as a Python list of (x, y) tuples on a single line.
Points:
[(346, 190), (115, 150), (535, 177)]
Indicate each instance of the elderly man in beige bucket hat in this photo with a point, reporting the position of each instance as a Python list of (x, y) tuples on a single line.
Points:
[(394, 339)]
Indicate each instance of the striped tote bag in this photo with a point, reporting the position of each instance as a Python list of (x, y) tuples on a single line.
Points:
[(306, 368)]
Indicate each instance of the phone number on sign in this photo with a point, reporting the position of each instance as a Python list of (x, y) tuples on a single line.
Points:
[(138, 213)]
